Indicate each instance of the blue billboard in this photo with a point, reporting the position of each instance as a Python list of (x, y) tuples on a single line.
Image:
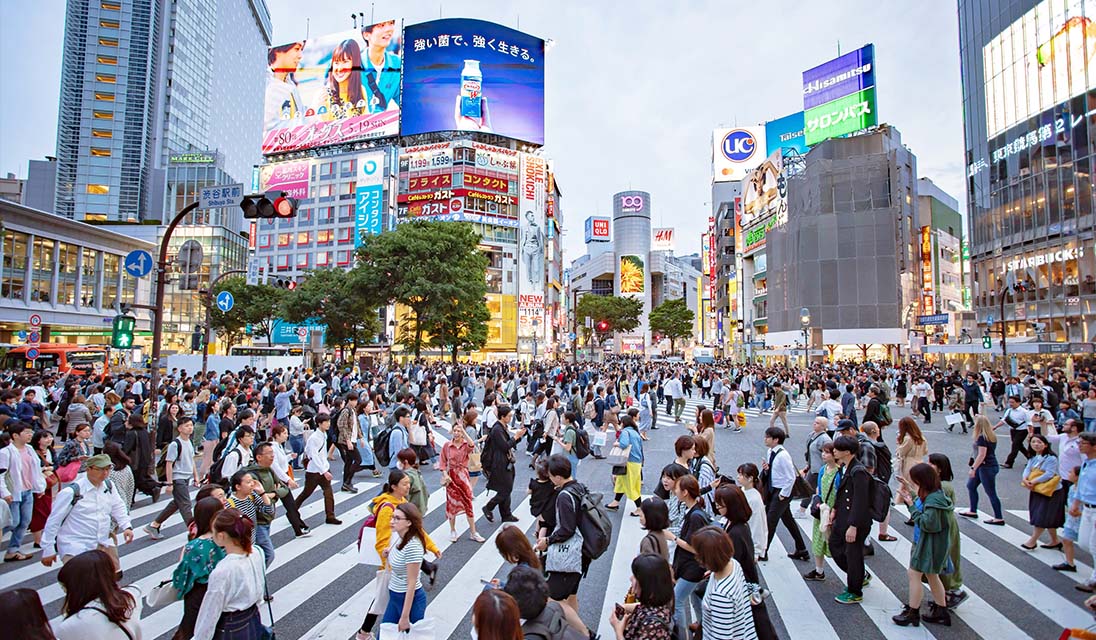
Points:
[(842, 76), (283, 332), (472, 75), (785, 133)]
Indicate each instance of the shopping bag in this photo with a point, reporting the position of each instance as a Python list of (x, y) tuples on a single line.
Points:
[(954, 418), (161, 594), (380, 601), (599, 439), (367, 548), (421, 630)]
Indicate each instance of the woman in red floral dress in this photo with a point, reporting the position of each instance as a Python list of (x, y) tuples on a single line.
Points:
[(455, 479)]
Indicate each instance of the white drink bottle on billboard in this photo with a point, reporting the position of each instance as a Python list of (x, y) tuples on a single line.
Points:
[(471, 90)]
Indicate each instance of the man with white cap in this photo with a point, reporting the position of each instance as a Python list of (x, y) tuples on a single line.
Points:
[(82, 513)]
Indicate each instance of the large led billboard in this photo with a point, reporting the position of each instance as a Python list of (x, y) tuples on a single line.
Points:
[(736, 151), (633, 275), (844, 115), (785, 133), (764, 194), (335, 88), (839, 77), (472, 75), (1039, 61)]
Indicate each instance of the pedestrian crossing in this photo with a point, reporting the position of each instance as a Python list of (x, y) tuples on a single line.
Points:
[(322, 593)]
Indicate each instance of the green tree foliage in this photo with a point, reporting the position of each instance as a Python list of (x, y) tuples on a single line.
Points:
[(458, 326), (332, 295), (436, 270), (229, 326), (262, 308), (673, 319), (621, 314)]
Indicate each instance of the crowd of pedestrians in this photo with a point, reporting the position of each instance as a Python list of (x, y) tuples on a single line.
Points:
[(77, 451)]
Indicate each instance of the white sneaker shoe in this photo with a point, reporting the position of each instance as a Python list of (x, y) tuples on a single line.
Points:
[(800, 514), (453, 536)]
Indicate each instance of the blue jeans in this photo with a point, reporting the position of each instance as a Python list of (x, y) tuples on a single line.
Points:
[(987, 477), (395, 607), (263, 541), (1090, 424), (22, 508), (296, 445), (366, 453), (684, 596)]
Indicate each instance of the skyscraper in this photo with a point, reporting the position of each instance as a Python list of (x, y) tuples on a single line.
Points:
[(158, 99)]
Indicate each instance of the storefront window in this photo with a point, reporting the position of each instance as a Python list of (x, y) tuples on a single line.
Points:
[(13, 274), (110, 279), (89, 278), (42, 270), (66, 273)]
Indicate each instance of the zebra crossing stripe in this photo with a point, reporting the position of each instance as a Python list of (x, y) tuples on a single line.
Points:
[(791, 594), (629, 535), (1015, 537)]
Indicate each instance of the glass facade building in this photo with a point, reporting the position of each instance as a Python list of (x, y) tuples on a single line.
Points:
[(1029, 99)]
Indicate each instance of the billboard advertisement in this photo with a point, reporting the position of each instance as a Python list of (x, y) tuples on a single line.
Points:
[(663, 239), (290, 177), (335, 88), (842, 116), (736, 151), (369, 198), (597, 229), (844, 75), (765, 192), (785, 133), (427, 157), (632, 275), (532, 189), (1039, 61), (472, 75)]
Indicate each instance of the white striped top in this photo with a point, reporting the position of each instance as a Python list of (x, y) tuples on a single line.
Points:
[(399, 560), (727, 610)]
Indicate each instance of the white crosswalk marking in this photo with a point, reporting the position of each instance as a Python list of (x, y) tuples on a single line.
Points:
[(1016, 537), (627, 547)]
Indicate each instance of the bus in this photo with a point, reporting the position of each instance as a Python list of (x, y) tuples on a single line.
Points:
[(78, 359), (258, 352)]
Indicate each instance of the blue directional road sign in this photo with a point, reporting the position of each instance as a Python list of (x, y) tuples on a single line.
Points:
[(22, 335), (138, 263), (225, 301)]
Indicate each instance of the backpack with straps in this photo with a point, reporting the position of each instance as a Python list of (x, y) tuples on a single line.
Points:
[(581, 445), (593, 523), (216, 475), (161, 464), (380, 446)]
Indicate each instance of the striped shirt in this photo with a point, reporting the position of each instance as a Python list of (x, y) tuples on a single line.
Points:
[(727, 611), (399, 560), (250, 507)]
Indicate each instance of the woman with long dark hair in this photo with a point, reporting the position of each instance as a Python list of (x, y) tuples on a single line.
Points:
[(731, 504), (651, 616), (200, 557), (1045, 512), (95, 606), (230, 609), (42, 444), (687, 570)]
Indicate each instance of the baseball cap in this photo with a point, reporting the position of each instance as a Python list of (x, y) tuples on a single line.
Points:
[(101, 461)]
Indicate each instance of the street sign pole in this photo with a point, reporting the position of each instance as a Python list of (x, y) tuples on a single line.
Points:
[(208, 300), (158, 306)]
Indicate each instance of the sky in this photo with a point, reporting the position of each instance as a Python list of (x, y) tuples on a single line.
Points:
[(633, 89)]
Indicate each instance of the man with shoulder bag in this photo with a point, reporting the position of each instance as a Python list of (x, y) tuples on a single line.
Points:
[(565, 561)]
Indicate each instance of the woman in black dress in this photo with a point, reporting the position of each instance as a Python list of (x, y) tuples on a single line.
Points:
[(731, 504)]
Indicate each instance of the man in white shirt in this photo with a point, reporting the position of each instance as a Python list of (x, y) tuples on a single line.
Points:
[(318, 470), (1017, 419), (779, 474), (676, 395), (922, 398), (239, 456), (24, 474), (82, 513)]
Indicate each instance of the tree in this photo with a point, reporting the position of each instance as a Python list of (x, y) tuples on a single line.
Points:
[(458, 326), (262, 307), (673, 319), (618, 313), (430, 268), (230, 325), (331, 294)]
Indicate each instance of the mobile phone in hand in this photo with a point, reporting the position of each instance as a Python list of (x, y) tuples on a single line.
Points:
[(619, 610)]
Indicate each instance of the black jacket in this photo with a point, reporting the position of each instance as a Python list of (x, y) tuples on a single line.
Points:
[(497, 459), (873, 412), (852, 505)]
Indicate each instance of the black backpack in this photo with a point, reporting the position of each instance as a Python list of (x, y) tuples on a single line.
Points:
[(593, 523), (879, 502), (216, 476), (581, 446), (380, 446), (161, 464)]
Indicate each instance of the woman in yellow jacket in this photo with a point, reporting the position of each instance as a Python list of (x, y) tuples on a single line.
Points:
[(393, 493)]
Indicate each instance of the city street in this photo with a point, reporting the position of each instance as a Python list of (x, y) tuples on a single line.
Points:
[(321, 592)]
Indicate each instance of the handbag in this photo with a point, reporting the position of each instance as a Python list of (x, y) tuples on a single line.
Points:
[(817, 501), (618, 459), (68, 472), (566, 556), (367, 548), (162, 594), (1046, 487), (380, 601), (800, 488), (599, 439), (421, 630), (475, 460)]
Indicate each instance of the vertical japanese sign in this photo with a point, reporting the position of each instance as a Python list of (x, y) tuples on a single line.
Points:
[(532, 187), (928, 279), (369, 198)]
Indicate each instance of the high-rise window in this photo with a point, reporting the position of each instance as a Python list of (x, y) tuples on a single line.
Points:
[(100, 152), (108, 42), (105, 59), (102, 133), (105, 96), (98, 189), (109, 78), (102, 115), (109, 24), (111, 6)]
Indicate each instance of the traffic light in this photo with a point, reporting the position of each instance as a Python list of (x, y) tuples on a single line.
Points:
[(273, 204), (987, 342), (285, 283), (121, 332), (196, 339), (602, 326)]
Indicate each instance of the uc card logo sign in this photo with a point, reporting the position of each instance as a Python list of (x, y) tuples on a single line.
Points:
[(739, 145)]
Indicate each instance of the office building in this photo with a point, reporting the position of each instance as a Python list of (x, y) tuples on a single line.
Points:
[(1029, 90)]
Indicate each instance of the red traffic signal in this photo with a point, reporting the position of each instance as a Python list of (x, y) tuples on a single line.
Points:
[(274, 204), (603, 326)]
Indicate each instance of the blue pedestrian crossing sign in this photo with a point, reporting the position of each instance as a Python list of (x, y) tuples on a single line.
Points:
[(225, 301), (138, 263)]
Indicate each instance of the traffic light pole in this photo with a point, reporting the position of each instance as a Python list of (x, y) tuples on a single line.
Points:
[(158, 307), (209, 316)]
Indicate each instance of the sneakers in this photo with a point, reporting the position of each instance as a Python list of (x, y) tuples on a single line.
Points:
[(867, 580), (349, 489), (737, 430), (303, 533), (800, 555), (153, 532), (815, 575), (955, 598), (847, 597), (1065, 566), (333, 521), (453, 536), (477, 538), (800, 514)]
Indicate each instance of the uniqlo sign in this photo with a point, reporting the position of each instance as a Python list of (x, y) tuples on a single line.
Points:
[(597, 229)]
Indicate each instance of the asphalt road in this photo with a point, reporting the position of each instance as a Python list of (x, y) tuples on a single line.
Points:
[(321, 592)]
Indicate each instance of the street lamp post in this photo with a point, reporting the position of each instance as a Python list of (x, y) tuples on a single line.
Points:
[(805, 322)]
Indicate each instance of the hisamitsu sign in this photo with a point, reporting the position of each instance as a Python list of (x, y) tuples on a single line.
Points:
[(842, 76)]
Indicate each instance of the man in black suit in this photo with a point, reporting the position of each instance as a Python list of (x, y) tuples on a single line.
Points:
[(498, 464), (851, 519)]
